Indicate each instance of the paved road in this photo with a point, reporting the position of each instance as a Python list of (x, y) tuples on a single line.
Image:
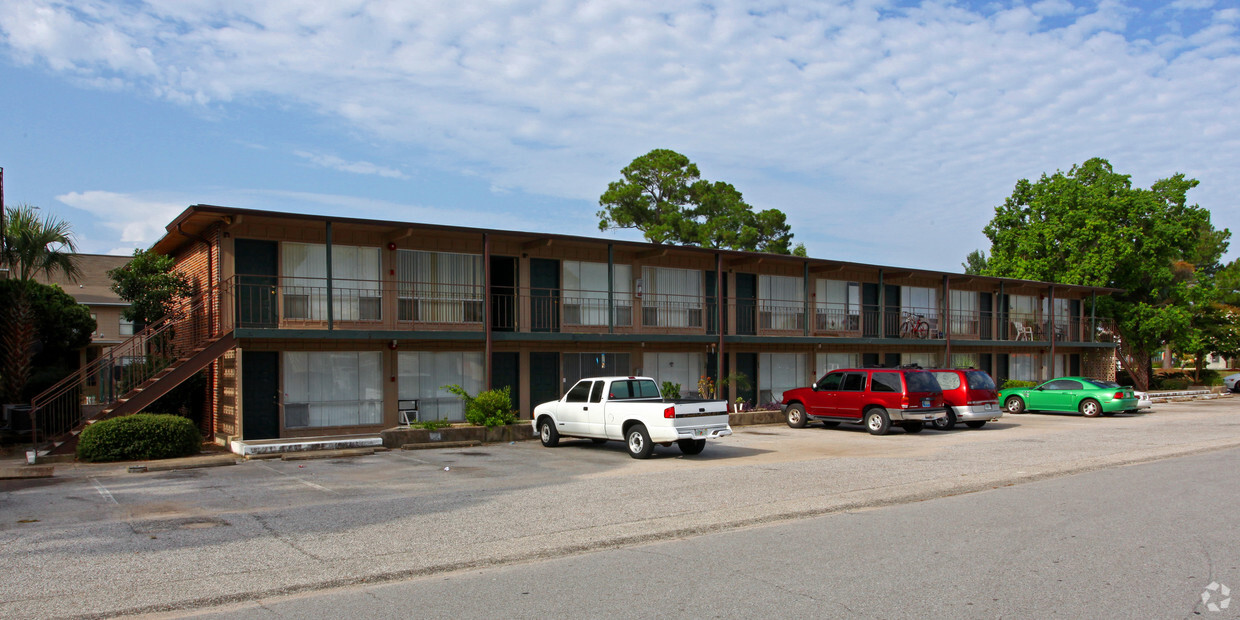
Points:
[(98, 541), (1133, 542)]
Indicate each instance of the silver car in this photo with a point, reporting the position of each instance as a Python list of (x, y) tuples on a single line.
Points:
[(1232, 382)]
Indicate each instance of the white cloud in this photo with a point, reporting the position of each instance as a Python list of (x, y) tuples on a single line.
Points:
[(932, 111), (356, 167), (133, 220)]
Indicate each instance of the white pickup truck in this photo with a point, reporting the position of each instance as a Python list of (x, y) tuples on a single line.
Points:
[(630, 409)]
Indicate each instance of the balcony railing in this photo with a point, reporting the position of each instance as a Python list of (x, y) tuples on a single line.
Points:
[(308, 303)]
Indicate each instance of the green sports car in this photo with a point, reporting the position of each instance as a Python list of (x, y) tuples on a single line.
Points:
[(1091, 397)]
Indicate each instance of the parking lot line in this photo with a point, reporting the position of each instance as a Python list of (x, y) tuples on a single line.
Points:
[(305, 482), (104, 491)]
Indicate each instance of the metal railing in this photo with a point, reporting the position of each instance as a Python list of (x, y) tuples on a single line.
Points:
[(124, 367)]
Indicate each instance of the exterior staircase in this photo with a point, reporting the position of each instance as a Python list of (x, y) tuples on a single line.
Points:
[(132, 375)]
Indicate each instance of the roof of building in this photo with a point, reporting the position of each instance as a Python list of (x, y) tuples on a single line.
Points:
[(197, 219), (93, 287)]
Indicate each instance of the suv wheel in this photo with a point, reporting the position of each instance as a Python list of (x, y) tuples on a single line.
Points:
[(796, 416), (877, 421), (947, 422)]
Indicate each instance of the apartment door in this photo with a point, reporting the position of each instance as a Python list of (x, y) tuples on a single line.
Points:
[(712, 302), (869, 310), (891, 310), (545, 378), (985, 306), (257, 265), (506, 373), (544, 295), (747, 364), (746, 305), (260, 394), (503, 294)]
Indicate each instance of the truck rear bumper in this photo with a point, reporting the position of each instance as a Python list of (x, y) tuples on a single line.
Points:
[(713, 431)]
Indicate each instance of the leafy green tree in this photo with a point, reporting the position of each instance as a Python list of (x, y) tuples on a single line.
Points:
[(45, 328), (663, 195), (35, 245), (975, 263), (1089, 226), (1214, 328), (150, 285)]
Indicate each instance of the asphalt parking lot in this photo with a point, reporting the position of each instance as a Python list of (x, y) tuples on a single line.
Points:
[(180, 539)]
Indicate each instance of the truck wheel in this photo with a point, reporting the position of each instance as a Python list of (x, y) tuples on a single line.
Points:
[(877, 421), (638, 441), (1090, 408), (1014, 405), (947, 422), (796, 416), (975, 423), (547, 433), (913, 428), (691, 446)]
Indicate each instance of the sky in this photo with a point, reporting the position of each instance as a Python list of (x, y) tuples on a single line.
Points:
[(887, 131)]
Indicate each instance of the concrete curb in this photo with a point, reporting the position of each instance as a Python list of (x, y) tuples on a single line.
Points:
[(326, 454), (26, 472), (441, 444)]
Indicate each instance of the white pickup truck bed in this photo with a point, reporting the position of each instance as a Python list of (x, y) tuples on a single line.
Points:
[(630, 409)]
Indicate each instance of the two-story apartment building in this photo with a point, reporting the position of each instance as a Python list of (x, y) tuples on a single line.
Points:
[(334, 325)]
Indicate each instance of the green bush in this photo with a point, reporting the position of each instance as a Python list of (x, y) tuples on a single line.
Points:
[(1017, 383), (671, 390), (139, 437), (489, 408), (1173, 383), (431, 425)]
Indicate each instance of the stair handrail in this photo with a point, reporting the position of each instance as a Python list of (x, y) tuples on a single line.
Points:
[(136, 346)]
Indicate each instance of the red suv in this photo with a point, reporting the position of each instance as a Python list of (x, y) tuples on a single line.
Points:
[(971, 397), (877, 397)]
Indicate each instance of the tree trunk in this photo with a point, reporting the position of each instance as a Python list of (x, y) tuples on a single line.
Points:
[(18, 343)]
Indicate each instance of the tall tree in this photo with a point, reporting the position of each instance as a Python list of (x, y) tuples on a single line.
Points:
[(150, 285), (663, 195), (35, 244), (1089, 226), (975, 263)]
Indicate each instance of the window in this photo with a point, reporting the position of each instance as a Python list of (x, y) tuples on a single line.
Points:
[(838, 307), (628, 389), (947, 380), (439, 287), (979, 380), (781, 302), (355, 282), (964, 360), (834, 361), (579, 393), (778, 373), (673, 297), (924, 360), (1022, 366), (577, 366), (596, 394), (831, 381), (964, 312), (886, 382), (853, 382), (422, 375), (918, 381), (584, 293), (336, 388), (921, 300), (1063, 384), (126, 327), (682, 368)]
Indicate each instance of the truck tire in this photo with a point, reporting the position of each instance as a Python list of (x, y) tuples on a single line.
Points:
[(691, 447), (547, 433), (638, 441), (877, 421), (975, 423), (795, 416), (913, 428)]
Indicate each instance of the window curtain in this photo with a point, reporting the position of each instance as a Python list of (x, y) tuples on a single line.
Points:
[(964, 312), (439, 287), (683, 368), (336, 388), (781, 302), (355, 282), (422, 375), (827, 362), (780, 372), (584, 294), (839, 305), (673, 297)]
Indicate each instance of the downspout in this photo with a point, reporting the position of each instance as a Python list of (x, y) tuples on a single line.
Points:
[(330, 297), (486, 306), (947, 323), (719, 318), (805, 297), (1050, 327), (882, 306), (611, 288)]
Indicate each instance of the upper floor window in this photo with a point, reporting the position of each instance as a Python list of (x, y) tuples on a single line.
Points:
[(584, 294), (673, 297), (781, 302), (354, 287), (126, 327), (839, 305), (439, 287)]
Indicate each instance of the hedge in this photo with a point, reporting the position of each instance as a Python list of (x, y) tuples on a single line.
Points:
[(139, 437)]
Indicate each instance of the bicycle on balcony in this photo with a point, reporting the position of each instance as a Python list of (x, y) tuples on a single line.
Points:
[(914, 325)]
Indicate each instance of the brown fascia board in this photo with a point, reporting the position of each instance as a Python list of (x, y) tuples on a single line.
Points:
[(634, 246)]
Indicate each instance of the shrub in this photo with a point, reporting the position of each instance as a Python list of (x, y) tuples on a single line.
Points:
[(139, 437), (1173, 383), (1017, 383), (431, 425), (489, 408), (671, 390)]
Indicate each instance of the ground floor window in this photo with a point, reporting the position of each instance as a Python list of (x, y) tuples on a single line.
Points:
[(577, 366), (925, 360), (1023, 366), (827, 362), (332, 388), (422, 375), (682, 368), (964, 360), (780, 372)]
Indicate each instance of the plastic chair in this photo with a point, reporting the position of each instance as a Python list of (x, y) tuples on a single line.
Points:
[(1022, 332)]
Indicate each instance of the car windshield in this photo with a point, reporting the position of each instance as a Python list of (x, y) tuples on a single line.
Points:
[(919, 381), (979, 380)]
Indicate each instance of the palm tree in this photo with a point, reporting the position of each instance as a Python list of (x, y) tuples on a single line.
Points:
[(35, 245)]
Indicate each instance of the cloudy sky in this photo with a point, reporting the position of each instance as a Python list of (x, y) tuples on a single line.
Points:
[(886, 130)]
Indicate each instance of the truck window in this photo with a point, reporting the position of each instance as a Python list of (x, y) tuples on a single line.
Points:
[(831, 381), (596, 395), (885, 382), (628, 389), (853, 382), (580, 392)]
